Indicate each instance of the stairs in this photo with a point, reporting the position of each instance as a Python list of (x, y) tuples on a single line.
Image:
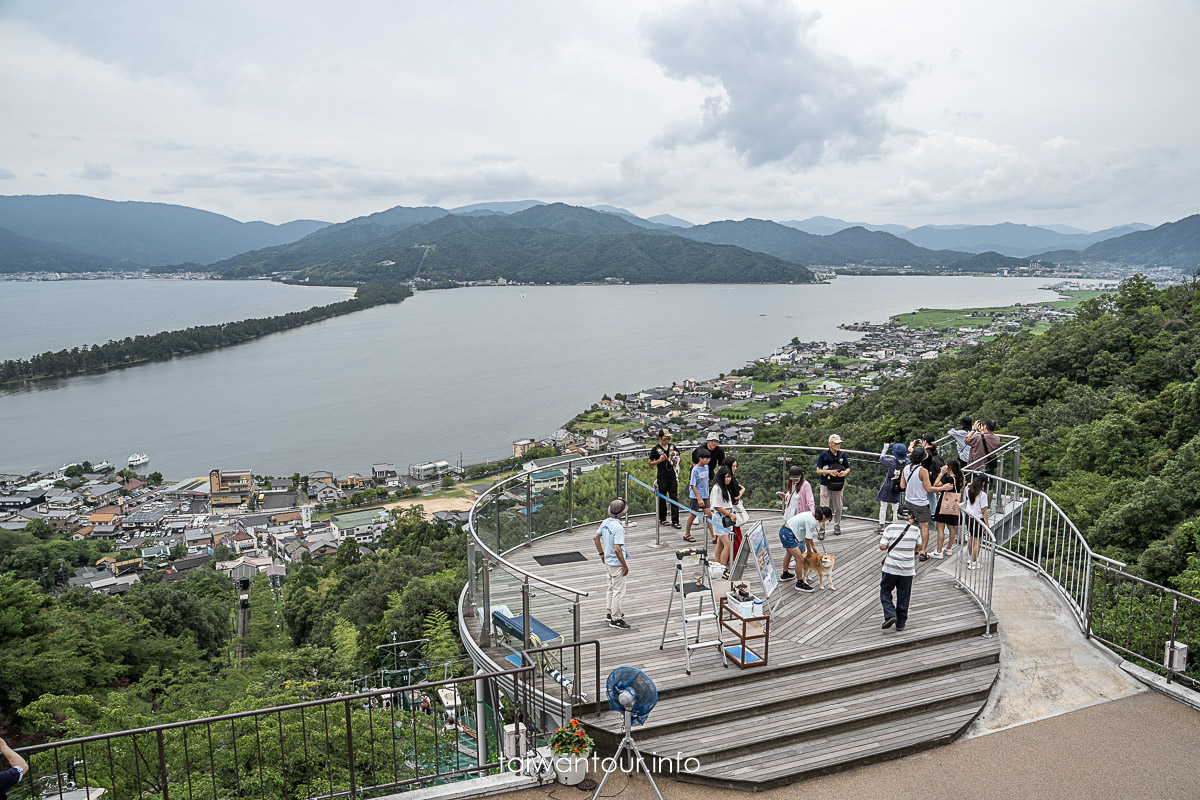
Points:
[(769, 726)]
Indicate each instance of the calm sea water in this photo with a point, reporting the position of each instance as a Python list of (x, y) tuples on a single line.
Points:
[(447, 372), (52, 315)]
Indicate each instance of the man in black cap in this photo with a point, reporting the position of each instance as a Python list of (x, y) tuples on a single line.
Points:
[(665, 456)]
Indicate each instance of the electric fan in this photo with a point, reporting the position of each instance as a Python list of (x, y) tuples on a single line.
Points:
[(631, 691)]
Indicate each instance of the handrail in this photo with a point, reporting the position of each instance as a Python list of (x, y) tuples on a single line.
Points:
[(617, 456), (1054, 506)]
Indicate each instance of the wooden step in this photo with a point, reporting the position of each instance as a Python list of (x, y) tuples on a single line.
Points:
[(788, 658), (821, 720), (736, 700), (778, 766)]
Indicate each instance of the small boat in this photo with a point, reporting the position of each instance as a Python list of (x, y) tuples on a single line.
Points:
[(137, 459)]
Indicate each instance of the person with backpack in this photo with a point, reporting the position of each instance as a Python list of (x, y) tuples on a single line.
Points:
[(914, 480), (893, 457)]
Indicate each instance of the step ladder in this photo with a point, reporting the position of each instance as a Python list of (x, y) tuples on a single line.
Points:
[(700, 585)]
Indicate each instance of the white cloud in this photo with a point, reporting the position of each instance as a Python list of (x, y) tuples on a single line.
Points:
[(95, 171), (773, 94), (7, 174)]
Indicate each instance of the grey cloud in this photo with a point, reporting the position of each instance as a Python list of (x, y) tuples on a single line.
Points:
[(775, 96), (95, 171), (257, 180), (491, 179), (7, 174)]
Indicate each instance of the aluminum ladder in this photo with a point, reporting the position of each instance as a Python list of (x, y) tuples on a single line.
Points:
[(682, 587)]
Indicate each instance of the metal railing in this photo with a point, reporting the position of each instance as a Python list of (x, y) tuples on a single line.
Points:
[(351, 746), (1026, 526), (975, 568), (572, 492), (1145, 621)]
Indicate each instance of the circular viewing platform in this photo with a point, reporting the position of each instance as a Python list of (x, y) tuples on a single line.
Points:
[(837, 690)]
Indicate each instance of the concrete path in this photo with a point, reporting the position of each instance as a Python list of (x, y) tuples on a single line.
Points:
[(1064, 721), (1142, 746), (1047, 667)]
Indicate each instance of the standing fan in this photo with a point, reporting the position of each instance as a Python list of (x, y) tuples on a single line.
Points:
[(630, 690)]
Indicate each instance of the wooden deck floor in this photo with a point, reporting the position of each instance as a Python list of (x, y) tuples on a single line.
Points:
[(831, 641)]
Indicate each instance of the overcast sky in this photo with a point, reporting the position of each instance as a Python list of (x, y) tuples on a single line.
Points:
[(1083, 113)]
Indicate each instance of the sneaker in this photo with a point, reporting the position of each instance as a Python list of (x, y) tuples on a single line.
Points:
[(973, 565), (801, 586), (889, 622), (899, 627), (821, 535), (787, 576), (837, 531), (608, 617), (938, 554), (618, 623)]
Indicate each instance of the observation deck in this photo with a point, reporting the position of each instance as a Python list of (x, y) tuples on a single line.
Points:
[(838, 691)]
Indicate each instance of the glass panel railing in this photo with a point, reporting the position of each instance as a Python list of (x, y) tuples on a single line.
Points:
[(549, 503), (594, 486)]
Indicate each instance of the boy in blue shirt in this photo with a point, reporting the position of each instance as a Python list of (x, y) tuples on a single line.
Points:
[(698, 491)]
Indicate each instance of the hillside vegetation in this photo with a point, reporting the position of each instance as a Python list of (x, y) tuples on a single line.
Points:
[(552, 243), (1107, 406)]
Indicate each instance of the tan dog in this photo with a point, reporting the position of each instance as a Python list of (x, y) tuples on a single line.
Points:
[(820, 563)]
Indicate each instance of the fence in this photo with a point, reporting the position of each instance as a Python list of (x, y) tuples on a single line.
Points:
[(1145, 621), (352, 746)]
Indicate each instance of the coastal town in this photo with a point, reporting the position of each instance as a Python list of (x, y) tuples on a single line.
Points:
[(235, 520)]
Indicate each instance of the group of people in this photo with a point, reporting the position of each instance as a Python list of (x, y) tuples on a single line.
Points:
[(920, 489), (714, 493)]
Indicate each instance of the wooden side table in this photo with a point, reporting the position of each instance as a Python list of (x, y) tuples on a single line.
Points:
[(745, 630)]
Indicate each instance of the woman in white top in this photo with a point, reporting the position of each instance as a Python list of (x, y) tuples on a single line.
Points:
[(721, 500), (914, 480), (977, 511)]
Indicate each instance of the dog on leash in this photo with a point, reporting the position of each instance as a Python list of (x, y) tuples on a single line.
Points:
[(820, 563)]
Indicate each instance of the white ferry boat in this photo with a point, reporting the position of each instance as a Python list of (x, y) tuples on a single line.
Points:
[(137, 459)]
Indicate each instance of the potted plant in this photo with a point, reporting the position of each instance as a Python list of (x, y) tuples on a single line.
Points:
[(571, 747)]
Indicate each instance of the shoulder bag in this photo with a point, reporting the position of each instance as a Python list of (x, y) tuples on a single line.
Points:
[(948, 504), (903, 533)]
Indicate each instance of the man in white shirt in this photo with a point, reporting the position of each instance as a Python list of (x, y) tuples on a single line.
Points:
[(899, 543), (960, 438)]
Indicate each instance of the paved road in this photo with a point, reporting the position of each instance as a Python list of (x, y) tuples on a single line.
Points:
[(1143, 746)]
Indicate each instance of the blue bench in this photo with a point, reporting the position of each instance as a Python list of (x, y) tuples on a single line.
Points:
[(514, 628)]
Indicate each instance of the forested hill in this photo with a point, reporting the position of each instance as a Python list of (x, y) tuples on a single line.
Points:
[(141, 234), (1175, 244), (552, 243), (22, 254), (1107, 406)]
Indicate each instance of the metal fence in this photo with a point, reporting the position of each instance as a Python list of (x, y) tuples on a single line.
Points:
[(1146, 622), (355, 746)]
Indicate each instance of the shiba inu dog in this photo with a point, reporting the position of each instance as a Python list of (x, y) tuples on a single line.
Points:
[(822, 564)]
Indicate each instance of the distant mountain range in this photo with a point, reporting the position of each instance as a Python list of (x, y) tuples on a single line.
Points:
[(1174, 244), (135, 234), (74, 233), (553, 243), (1007, 238)]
